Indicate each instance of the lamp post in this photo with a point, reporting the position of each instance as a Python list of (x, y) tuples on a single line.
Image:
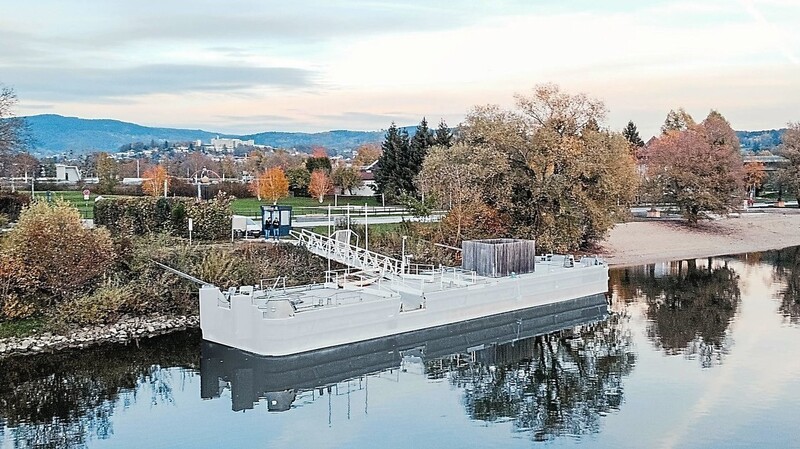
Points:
[(403, 256)]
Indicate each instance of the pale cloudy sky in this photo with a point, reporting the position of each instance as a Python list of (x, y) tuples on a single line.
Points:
[(250, 66)]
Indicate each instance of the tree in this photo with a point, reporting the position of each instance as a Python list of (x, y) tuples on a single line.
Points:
[(255, 162), (394, 176), (695, 171), (272, 184), (155, 179), (107, 172), (12, 129), (460, 179), (299, 178), (367, 154), (632, 135), (444, 136), (319, 160), (718, 131), (679, 120), (754, 177), (789, 176), (320, 184), (228, 168), (564, 184), (423, 139), (346, 178)]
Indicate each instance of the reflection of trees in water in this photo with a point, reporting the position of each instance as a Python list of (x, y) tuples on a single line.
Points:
[(689, 307), (787, 272), (64, 399), (548, 385)]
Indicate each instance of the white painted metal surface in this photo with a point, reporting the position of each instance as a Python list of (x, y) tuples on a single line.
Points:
[(385, 298)]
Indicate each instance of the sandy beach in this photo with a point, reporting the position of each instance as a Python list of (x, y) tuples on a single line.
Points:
[(643, 242)]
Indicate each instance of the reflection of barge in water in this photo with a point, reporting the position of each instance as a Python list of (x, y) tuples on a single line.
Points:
[(279, 379), (388, 297)]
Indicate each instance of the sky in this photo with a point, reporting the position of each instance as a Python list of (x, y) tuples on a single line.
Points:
[(243, 66)]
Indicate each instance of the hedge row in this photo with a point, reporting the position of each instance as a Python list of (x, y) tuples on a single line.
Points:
[(144, 215)]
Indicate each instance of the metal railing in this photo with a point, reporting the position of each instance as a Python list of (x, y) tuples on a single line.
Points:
[(356, 257)]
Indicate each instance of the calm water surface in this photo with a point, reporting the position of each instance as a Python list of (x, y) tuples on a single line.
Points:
[(701, 353)]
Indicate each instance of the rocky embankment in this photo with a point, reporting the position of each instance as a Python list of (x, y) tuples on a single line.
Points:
[(123, 331)]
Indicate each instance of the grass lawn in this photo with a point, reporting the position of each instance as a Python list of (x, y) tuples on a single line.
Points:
[(240, 206), (86, 208), (374, 229), (20, 328), (300, 205)]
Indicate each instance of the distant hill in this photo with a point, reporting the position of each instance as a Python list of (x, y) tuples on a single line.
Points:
[(58, 134), (333, 140), (53, 134), (760, 140)]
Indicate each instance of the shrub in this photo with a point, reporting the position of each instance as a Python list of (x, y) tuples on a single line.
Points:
[(211, 219), (179, 187), (52, 256), (127, 190), (232, 188), (11, 204), (106, 305), (57, 187), (146, 215)]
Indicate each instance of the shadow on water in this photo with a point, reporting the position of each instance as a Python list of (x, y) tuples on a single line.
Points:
[(690, 305), (62, 400), (786, 272)]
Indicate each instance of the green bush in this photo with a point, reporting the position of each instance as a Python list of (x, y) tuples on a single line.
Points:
[(11, 204)]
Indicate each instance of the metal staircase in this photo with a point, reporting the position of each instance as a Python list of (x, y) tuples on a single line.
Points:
[(338, 248)]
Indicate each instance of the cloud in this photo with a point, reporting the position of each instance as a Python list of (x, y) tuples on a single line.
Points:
[(94, 84), (401, 118), (121, 23)]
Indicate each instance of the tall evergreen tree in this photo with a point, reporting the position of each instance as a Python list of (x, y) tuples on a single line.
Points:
[(394, 176), (444, 136), (423, 139), (632, 134)]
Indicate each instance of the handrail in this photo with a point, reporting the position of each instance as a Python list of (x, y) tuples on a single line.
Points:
[(356, 257)]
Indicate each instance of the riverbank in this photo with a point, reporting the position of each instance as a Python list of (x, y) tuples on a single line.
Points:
[(633, 243), (643, 242), (123, 331)]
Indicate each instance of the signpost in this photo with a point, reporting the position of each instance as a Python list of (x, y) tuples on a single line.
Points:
[(86, 194), (190, 231)]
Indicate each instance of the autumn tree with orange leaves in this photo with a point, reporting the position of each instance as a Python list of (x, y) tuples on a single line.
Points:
[(272, 184), (754, 177), (320, 184), (154, 181), (697, 167)]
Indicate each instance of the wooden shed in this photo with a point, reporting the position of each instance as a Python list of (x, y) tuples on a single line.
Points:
[(498, 257)]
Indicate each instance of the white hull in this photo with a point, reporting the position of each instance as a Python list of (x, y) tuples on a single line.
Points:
[(272, 326)]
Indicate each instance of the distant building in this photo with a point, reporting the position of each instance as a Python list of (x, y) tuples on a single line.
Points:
[(229, 145), (67, 173)]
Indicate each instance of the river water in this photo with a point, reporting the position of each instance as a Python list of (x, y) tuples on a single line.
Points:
[(699, 353)]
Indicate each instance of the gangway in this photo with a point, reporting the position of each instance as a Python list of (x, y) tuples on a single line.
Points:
[(337, 247)]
